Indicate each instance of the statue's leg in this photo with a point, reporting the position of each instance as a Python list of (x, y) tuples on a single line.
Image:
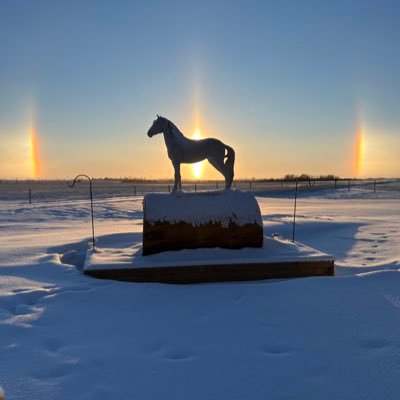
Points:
[(177, 177), (230, 178), (219, 165)]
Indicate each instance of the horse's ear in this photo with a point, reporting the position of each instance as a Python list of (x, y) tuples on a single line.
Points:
[(158, 116)]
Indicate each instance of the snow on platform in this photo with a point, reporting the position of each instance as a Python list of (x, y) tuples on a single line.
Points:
[(225, 207), (276, 259)]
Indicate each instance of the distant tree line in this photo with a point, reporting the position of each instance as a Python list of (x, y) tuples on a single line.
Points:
[(307, 177), (287, 177)]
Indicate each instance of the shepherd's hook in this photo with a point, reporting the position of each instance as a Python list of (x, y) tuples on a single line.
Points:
[(91, 202)]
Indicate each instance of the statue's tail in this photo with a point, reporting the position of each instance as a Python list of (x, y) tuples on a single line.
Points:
[(229, 164)]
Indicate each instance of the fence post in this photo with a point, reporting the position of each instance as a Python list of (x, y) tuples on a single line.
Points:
[(30, 196), (250, 184), (348, 184), (294, 212), (335, 184), (169, 188), (281, 184), (134, 190), (195, 187), (374, 185), (217, 184)]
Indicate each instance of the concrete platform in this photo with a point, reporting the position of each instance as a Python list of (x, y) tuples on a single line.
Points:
[(276, 259)]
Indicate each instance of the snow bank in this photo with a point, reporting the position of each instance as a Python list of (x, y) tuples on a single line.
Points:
[(66, 336)]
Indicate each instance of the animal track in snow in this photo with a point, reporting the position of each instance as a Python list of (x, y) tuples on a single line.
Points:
[(178, 356), (276, 350), (52, 344), (23, 302), (375, 344), (161, 349)]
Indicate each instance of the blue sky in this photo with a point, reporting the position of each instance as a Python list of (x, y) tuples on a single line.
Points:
[(286, 83)]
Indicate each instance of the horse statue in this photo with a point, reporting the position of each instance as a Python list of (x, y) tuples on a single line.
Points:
[(183, 150)]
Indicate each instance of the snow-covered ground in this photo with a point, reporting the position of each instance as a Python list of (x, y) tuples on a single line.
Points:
[(64, 335)]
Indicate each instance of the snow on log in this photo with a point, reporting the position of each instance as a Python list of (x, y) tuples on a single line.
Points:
[(229, 219)]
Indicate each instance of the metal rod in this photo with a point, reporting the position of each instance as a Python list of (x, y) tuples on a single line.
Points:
[(91, 203), (294, 211)]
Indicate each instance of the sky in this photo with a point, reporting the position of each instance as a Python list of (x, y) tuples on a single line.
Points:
[(293, 86)]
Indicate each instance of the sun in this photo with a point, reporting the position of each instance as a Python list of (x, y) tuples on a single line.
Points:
[(197, 167)]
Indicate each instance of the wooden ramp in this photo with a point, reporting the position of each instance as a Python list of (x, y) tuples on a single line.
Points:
[(275, 260)]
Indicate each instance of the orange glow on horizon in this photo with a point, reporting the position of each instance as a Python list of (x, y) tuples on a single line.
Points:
[(34, 152), (359, 151), (197, 167)]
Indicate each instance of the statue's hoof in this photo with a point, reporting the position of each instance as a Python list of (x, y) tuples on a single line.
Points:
[(177, 191)]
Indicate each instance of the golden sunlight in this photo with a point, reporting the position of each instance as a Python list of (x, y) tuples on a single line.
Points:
[(197, 167), (359, 151), (34, 152)]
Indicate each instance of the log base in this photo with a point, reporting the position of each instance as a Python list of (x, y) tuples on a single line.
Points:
[(229, 219), (164, 236)]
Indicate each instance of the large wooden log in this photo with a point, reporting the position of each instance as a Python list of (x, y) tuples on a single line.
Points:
[(229, 219)]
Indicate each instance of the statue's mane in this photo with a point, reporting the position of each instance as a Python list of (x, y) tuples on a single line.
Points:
[(174, 130)]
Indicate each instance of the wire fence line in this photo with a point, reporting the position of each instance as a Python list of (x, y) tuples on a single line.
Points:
[(36, 192), (57, 193)]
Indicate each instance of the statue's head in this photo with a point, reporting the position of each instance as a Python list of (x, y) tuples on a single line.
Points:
[(157, 127)]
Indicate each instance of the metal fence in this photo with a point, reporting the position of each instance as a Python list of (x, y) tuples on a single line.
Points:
[(57, 190)]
